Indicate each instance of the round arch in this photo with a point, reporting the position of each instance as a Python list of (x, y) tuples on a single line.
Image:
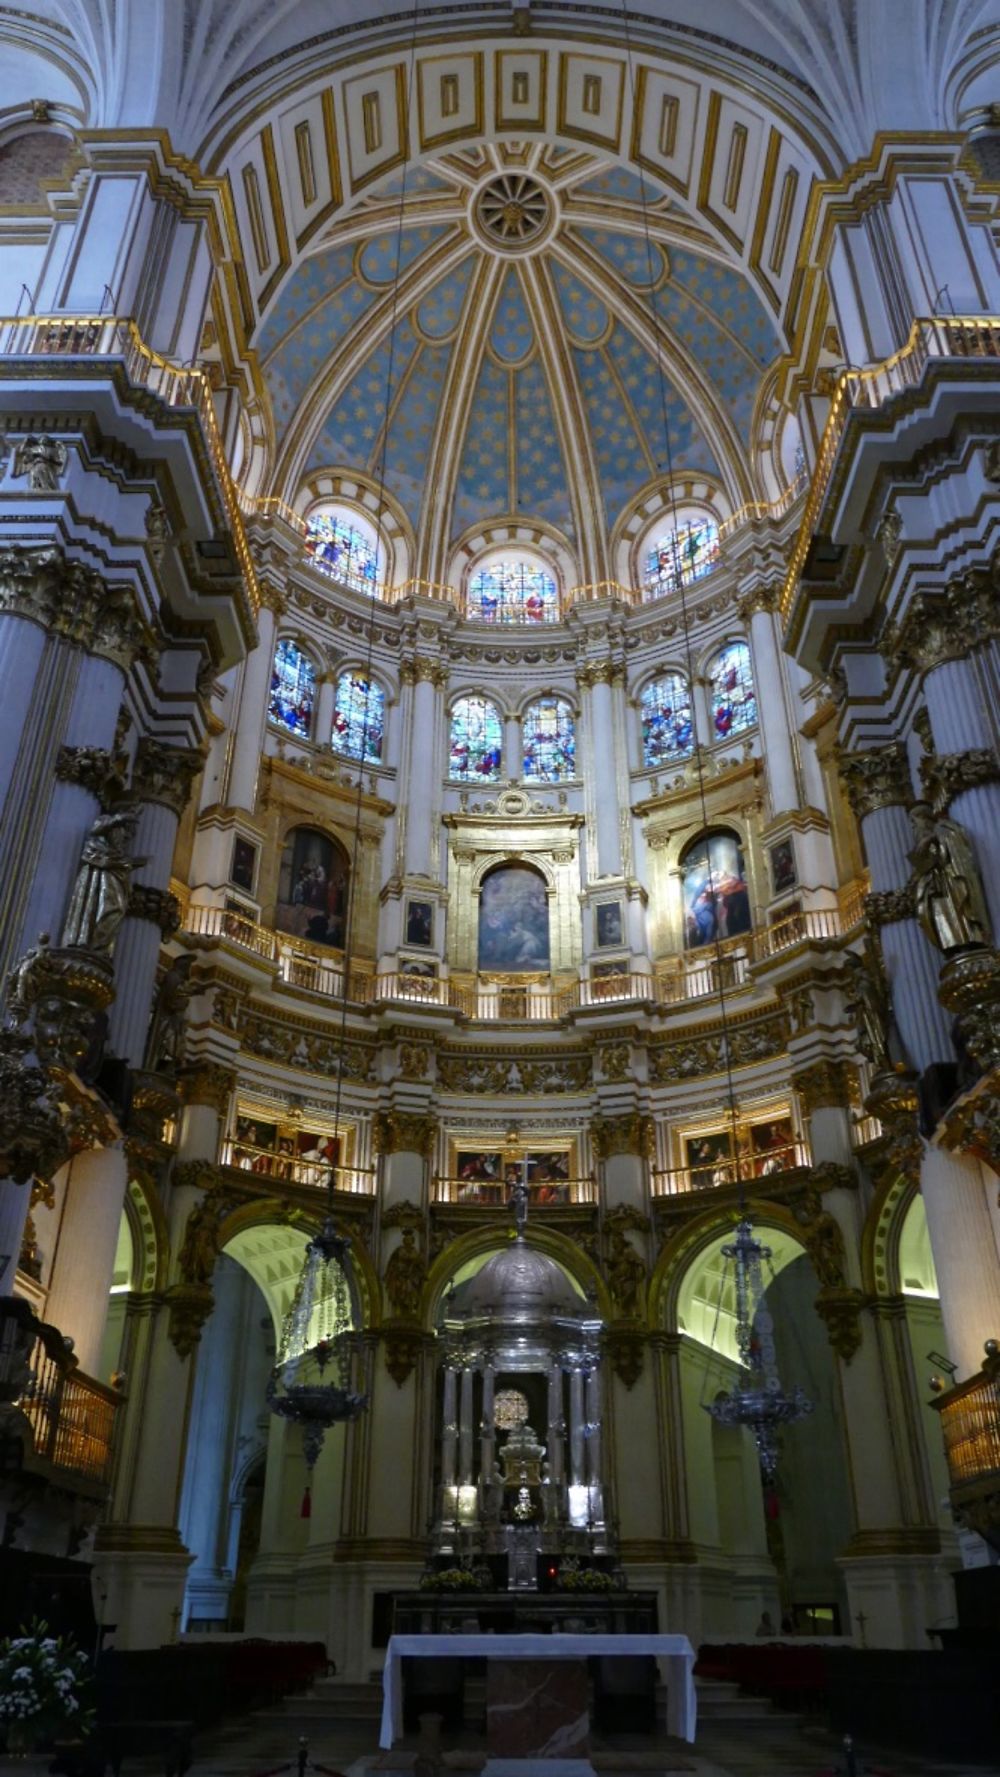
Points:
[(268, 1238), (695, 1239)]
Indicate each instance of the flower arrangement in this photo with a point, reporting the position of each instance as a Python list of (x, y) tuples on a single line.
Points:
[(586, 1579), (451, 1579), (42, 1681)]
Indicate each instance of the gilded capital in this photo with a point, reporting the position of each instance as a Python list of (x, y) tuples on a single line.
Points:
[(947, 775), (208, 1084), (764, 597), (886, 907), (628, 1134), (74, 602), (878, 779), (419, 669), (599, 672), (165, 774), (272, 598), (825, 1084), (158, 906), (931, 633), (403, 1132)]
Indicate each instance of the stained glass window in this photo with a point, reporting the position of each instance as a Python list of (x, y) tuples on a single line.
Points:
[(549, 741), (513, 592), (734, 702), (293, 688), (667, 728), (342, 549), (359, 718), (476, 747), (680, 556)]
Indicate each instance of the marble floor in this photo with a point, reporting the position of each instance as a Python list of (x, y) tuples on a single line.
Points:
[(773, 1746)]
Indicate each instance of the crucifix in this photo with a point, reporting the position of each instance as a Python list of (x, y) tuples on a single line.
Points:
[(519, 1195), (861, 1620)]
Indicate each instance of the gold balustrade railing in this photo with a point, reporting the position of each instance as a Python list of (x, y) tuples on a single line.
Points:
[(970, 1425), (113, 336), (497, 1193), (936, 336), (747, 1169), (285, 1166), (71, 1416)]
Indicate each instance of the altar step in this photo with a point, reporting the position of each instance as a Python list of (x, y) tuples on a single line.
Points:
[(335, 1699), (720, 1700)]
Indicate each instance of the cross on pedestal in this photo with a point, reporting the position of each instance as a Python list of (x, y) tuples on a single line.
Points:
[(861, 1620)]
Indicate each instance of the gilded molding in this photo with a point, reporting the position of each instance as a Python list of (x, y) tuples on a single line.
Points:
[(625, 1348), (839, 1308), (403, 1132), (272, 599), (825, 1084), (615, 1061), (969, 986), (502, 1074), (931, 633), (158, 906), (73, 601), (403, 1344), (877, 779), (62, 992), (188, 1307), (414, 1061), (315, 1050), (164, 774), (689, 1058)]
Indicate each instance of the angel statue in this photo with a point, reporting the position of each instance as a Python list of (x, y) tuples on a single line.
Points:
[(99, 901), (947, 887)]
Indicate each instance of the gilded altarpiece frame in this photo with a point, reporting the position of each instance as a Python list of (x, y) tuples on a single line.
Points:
[(733, 799), (515, 828), (293, 797)]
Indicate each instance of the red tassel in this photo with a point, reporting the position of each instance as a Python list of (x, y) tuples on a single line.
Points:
[(307, 1504), (771, 1506)]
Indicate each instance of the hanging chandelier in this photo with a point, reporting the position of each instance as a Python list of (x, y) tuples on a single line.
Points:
[(310, 1381), (756, 1399)]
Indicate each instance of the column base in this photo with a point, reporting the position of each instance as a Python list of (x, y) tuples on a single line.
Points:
[(893, 1599), (139, 1575)]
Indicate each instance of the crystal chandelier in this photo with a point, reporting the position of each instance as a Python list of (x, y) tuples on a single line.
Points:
[(310, 1381), (756, 1399)]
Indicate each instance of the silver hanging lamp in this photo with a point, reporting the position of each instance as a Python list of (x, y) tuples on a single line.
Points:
[(311, 1379), (756, 1398)]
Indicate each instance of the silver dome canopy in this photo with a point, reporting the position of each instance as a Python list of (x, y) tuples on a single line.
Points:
[(519, 1284)]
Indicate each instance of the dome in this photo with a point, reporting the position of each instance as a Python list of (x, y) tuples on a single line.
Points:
[(520, 1283)]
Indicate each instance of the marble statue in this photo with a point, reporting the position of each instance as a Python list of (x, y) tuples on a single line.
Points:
[(947, 887), (99, 901)]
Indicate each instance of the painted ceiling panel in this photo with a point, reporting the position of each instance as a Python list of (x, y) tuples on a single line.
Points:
[(584, 313), (628, 255), (639, 375), (380, 260), (622, 462), (413, 426), (352, 431), (483, 487), (620, 184), (542, 482), (512, 337), (440, 312)]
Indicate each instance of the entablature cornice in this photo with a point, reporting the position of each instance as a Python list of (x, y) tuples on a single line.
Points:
[(739, 776), (341, 788)]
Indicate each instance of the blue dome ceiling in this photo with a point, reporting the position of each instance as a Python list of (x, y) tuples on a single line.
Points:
[(522, 377)]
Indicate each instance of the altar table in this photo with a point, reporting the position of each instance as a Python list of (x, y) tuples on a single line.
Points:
[(674, 1650)]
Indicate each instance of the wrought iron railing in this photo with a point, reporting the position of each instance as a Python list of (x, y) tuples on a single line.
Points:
[(970, 1425)]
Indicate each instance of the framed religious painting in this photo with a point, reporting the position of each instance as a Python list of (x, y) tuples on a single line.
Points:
[(710, 1159), (419, 922), (609, 924), (243, 867), (784, 875)]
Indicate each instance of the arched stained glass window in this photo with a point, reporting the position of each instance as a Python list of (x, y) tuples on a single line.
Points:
[(513, 591), (667, 727), (476, 745), (734, 701), (677, 557), (359, 718), (293, 688), (549, 741), (343, 548)]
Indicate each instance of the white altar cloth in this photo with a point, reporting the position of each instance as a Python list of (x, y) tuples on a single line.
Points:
[(675, 1651)]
